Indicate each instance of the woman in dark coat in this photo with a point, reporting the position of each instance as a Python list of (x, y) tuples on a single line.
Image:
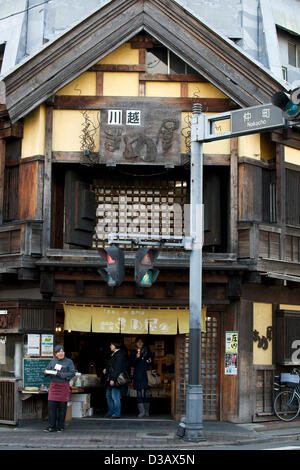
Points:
[(117, 363), (59, 390), (141, 359)]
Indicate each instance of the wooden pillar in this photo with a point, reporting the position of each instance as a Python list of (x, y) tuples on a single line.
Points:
[(47, 179), (233, 221), (2, 168), (280, 196)]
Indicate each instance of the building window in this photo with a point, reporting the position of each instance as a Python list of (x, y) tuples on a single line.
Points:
[(160, 60), (284, 74), (292, 198), (294, 54), (2, 48), (11, 355)]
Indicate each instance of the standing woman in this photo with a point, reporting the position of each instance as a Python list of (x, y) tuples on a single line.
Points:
[(59, 390), (141, 359), (117, 363)]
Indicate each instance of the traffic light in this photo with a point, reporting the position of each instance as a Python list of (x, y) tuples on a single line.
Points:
[(114, 272), (145, 273), (290, 104)]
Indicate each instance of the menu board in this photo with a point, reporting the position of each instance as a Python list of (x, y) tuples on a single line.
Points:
[(33, 371)]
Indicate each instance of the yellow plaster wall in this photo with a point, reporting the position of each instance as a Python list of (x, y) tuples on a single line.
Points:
[(219, 147), (85, 84), (262, 318), (67, 128), (267, 147), (249, 146), (289, 307), (204, 90), (122, 55), (33, 142), (163, 89), (292, 155), (120, 84)]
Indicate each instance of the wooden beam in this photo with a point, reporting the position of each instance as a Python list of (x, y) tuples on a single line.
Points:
[(2, 169), (233, 205), (77, 157), (99, 83), (183, 89), (47, 180), (142, 63), (289, 137), (7, 129), (281, 196), (118, 68), (155, 77), (98, 102)]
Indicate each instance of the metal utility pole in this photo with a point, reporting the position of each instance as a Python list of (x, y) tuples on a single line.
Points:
[(194, 395)]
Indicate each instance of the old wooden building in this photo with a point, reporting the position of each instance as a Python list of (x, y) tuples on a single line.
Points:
[(94, 138)]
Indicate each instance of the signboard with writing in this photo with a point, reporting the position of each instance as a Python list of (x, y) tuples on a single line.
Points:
[(231, 352), (140, 133), (256, 118), (33, 372)]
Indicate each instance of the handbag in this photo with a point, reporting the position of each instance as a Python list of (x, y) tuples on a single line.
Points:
[(153, 377), (122, 379)]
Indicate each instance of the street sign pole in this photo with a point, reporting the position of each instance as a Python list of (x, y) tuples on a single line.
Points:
[(194, 395)]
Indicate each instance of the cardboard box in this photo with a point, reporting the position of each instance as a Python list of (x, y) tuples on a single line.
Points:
[(77, 410), (83, 397)]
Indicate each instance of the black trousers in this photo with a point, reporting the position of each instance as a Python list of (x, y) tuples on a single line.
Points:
[(57, 413)]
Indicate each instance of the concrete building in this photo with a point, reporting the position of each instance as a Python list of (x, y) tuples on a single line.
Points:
[(266, 30)]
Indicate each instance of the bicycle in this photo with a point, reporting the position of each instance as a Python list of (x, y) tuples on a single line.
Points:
[(287, 402)]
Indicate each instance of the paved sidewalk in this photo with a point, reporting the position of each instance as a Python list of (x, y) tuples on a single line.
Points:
[(106, 434)]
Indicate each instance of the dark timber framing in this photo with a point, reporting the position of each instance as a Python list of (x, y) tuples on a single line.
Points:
[(213, 56)]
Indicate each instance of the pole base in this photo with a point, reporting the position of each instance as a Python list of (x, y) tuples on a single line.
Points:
[(194, 414)]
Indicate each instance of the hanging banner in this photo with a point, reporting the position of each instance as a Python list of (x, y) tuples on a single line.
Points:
[(127, 320), (183, 320), (163, 321), (78, 318), (106, 320)]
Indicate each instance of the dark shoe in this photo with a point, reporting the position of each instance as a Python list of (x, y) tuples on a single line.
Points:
[(107, 415), (50, 430), (60, 430), (114, 417)]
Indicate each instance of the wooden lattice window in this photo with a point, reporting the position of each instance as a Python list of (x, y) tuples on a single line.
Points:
[(144, 206), (210, 369)]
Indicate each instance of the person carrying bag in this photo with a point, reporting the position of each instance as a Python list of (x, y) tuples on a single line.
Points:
[(116, 376), (141, 359)]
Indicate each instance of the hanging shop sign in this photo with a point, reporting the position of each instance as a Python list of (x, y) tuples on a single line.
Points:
[(140, 132), (231, 352), (127, 320)]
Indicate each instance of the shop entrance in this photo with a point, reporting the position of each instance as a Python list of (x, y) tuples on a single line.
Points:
[(90, 352)]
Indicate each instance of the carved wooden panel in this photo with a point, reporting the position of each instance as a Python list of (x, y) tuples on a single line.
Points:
[(140, 133)]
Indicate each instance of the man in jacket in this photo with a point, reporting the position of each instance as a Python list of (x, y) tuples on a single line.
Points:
[(117, 363)]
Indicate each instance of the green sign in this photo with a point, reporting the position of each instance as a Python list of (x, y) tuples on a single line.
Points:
[(34, 372)]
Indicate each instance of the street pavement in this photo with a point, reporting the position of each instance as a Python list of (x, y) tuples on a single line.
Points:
[(159, 434)]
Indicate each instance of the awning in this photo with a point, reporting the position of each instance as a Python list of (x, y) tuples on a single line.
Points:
[(129, 320)]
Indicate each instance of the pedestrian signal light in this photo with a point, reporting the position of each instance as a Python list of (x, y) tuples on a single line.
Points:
[(289, 103), (145, 273), (114, 272)]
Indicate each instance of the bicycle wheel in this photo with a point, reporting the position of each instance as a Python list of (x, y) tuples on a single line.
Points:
[(287, 405)]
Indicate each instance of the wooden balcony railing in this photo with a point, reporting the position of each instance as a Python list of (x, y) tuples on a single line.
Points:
[(23, 238), (257, 240)]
